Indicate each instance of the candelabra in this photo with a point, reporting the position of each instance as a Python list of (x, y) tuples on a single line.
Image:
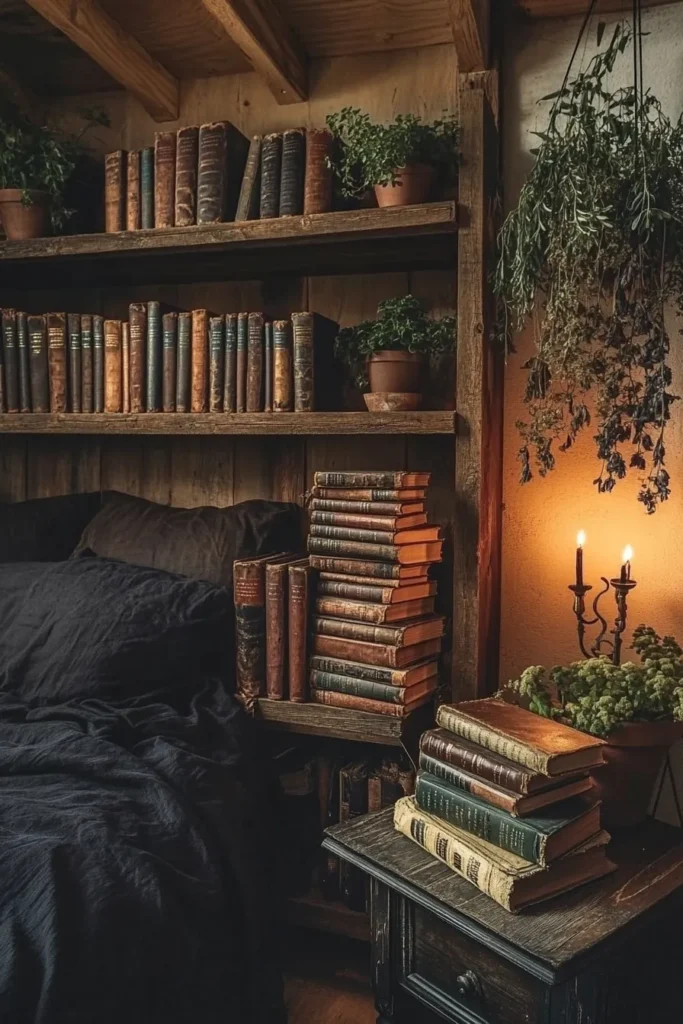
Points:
[(603, 644)]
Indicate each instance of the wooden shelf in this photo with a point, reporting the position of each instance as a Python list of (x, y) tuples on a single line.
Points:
[(312, 911), (207, 424), (343, 242), (344, 723)]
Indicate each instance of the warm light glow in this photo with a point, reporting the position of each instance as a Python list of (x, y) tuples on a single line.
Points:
[(627, 554), (580, 538)]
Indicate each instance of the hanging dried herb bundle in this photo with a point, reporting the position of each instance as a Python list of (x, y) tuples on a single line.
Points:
[(591, 255)]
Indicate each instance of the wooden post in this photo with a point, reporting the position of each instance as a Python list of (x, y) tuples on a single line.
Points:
[(478, 403)]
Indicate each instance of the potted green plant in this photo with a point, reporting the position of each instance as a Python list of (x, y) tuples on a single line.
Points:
[(401, 161), (636, 708), (389, 354)]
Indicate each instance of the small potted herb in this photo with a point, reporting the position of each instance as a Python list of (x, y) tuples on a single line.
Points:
[(390, 353), (401, 161)]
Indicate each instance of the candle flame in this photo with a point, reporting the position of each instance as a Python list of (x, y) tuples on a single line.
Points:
[(627, 554), (580, 538)]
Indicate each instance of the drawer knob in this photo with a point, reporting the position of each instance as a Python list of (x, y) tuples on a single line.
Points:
[(467, 985)]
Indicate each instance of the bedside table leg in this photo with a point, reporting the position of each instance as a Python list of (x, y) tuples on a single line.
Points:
[(381, 950)]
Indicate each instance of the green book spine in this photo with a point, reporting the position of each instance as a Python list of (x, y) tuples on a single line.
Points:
[(268, 366), (154, 356), (352, 548), (348, 533), (230, 381), (98, 362), (332, 666), (9, 340), (87, 379), (147, 187), (357, 687), (24, 367), (183, 371), (241, 361)]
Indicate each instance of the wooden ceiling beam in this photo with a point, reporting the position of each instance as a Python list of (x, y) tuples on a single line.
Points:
[(268, 43), (90, 27), (470, 24)]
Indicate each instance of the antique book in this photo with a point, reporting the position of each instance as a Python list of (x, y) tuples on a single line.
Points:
[(249, 583), (365, 611), (199, 387), (24, 363), (454, 750), (137, 318), (153, 371), (56, 354), (389, 782), (183, 398), (133, 195), (299, 604), (268, 366), (403, 677), (385, 479), (318, 173), (187, 157), (222, 156), (405, 635), (98, 362), (73, 321), (277, 627), (292, 172), (87, 364), (147, 187), (379, 570), (511, 881), (283, 381), (368, 591), (370, 494), (372, 691), (350, 520), (533, 741), (373, 508), (385, 655), (418, 535), (230, 383), (40, 387), (125, 366), (216, 362), (241, 362), (3, 405), (404, 554), (271, 163), (113, 366), (353, 802), (164, 182), (542, 838), (316, 381), (254, 386), (249, 198), (373, 707), (169, 360), (10, 359), (115, 191)]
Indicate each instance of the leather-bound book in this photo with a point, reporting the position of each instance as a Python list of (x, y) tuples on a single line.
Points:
[(230, 382), (147, 187), (384, 479), (372, 612), (250, 191), (216, 363), (372, 508), (283, 382), (277, 622), (385, 655), (378, 570), (268, 366), (388, 783), (125, 366), (373, 707), (241, 361), (3, 402), (403, 678), (115, 191), (318, 175), (98, 362), (249, 583), (169, 363), (75, 362), (222, 156), (299, 606), (254, 398), (316, 378), (10, 359), (164, 179), (40, 384), (353, 803), (87, 368), (183, 398), (271, 164), (373, 495), (24, 363), (187, 160), (199, 387), (383, 524), (292, 172), (153, 369), (133, 191), (406, 554), (369, 591), (406, 635), (373, 691), (113, 366), (418, 535), (137, 319), (56, 354)]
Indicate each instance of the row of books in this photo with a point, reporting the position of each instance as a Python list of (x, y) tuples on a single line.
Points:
[(212, 173), (504, 798), (161, 360)]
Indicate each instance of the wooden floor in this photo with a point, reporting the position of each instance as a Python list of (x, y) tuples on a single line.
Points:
[(328, 982)]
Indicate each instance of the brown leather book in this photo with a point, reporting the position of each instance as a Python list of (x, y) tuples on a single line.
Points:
[(268, 366), (183, 399), (254, 397), (137, 319), (283, 369), (250, 191), (374, 478), (164, 179), (98, 362), (73, 321), (405, 635), (271, 164), (133, 193), (169, 360), (125, 366), (10, 360), (87, 376), (388, 783), (405, 554), (113, 366), (115, 191), (388, 524), (418, 535), (187, 158), (535, 742), (241, 361), (404, 677), (56, 353), (372, 508), (292, 172), (369, 494), (374, 654), (316, 376), (374, 707), (299, 601), (222, 156), (200, 361), (318, 175), (24, 363), (230, 384), (249, 583), (374, 613), (216, 363), (40, 377), (378, 570), (353, 687), (365, 588), (277, 627)]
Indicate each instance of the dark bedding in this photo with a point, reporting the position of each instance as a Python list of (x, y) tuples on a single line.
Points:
[(137, 819)]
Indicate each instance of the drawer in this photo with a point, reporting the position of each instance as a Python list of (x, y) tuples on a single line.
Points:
[(462, 979)]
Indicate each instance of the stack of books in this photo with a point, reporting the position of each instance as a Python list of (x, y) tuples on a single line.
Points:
[(376, 639), (504, 798)]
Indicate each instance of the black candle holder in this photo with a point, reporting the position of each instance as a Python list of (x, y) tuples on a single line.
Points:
[(602, 645)]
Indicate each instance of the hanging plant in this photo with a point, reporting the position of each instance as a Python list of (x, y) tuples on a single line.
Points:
[(591, 256)]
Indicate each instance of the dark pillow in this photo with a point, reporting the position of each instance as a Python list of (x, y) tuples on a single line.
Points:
[(199, 542), (45, 529), (94, 627)]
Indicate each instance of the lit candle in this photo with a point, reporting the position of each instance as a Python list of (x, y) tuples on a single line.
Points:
[(626, 563), (580, 541)]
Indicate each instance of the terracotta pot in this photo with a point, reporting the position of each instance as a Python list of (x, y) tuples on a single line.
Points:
[(634, 755), (396, 371), (414, 185), (20, 220)]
